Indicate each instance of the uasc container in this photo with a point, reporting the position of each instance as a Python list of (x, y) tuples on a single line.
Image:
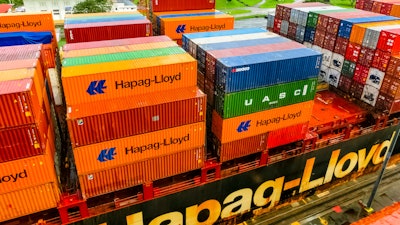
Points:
[(105, 181)]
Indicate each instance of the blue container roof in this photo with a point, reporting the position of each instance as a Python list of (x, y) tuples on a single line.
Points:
[(23, 38)]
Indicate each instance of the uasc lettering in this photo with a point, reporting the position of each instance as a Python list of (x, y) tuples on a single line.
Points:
[(276, 120), (21, 24), (157, 145), (147, 82), (13, 177)]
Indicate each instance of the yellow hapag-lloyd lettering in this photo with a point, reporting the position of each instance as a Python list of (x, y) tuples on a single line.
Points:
[(364, 161), (244, 202), (331, 166), (384, 146), (306, 184), (339, 173), (103, 224), (276, 185), (174, 218), (192, 213), (135, 219)]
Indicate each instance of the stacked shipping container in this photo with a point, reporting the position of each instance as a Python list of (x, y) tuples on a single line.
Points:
[(386, 7), (138, 115), (357, 47), (252, 95), (27, 144)]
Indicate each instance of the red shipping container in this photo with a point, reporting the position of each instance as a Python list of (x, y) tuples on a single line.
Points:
[(292, 31), (366, 56), (123, 117), (356, 89), (381, 60), (341, 46), (239, 148), (393, 68), (19, 103), (376, 6), (389, 40), (279, 11), (352, 52), (48, 55), (361, 74), (277, 25), (24, 141), (319, 38), (344, 83), (107, 30), (178, 5), (286, 13), (287, 135), (322, 22), (386, 8), (388, 104), (329, 42), (391, 87), (360, 4)]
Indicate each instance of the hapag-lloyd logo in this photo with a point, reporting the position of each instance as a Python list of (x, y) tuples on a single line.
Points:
[(12, 178), (20, 25), (245, 125)]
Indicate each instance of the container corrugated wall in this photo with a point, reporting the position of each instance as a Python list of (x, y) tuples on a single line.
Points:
[(287, 135), (131, 116), (101, 182), (261, 122), (103, 81), (139, 147), (176, 5), (28, 201), (18, 52)]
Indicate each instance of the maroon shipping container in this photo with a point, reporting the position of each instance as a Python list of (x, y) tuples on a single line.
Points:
[(200, 80), (19, 103), (209, 90), (291, 34), (239, 148), (381, 60), (393, 69), (107, 30), (391, 87), (23, 141), (361, 74), (125, 117), (352, 52), (112, 43), (386, 8), (322, 22), (356, 89), (178, 5), (19, 52), (319, 38), (287, 135), (368, 5), (366, 56), (329, 42), (279, 11), (277, 25), (341, 46), (386, 103), (286, 13), (360, 4), (344, 83), (281, 7)]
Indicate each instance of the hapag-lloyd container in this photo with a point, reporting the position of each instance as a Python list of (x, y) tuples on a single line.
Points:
[(107, 30), (113, 43), (287, 135), (110, 80), (239, 148), (175, 27), (131, 149), (176, 5), (119, 49), (28, 201), (359, 30), (346, 25), (28, 172), (190, 41), (99, 121), (100, 182), (236, 128), (121, 56), (254, 100), (257, 67)]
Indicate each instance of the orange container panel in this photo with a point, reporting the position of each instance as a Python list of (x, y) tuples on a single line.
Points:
[(139, 147), (27, 201), (110, 80), (43, 21), (48, 55), (117, 49), (395, 10), (105, 181), (170, 26), (358, 30), (239, 148), (240, 127), (287, 135), (28, 172)]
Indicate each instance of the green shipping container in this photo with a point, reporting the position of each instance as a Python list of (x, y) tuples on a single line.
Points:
[(312, 19), (348, 68), (148, 53), (260, 99)]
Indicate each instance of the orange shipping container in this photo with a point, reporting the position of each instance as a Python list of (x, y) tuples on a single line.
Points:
[(358, 30), (175, 27), (28, 172), (105, 181), (240, 127), (27, 201), (12, 22), (139, 147), (88, 83)]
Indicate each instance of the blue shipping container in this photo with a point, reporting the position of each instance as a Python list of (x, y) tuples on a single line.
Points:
[(23, 38), (347, 24), (309, 35)]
